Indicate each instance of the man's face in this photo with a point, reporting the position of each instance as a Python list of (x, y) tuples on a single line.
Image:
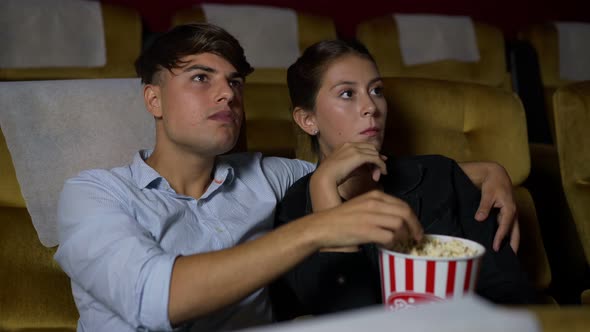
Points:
[(201, 107)]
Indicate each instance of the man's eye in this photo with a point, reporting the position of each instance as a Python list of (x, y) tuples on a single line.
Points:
[(200, 78), (377, 91), (236, 83), (346, 94)]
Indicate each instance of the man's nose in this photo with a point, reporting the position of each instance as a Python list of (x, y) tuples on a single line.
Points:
[(225, 93)]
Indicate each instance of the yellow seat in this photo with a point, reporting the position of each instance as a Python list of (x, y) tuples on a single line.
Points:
[(571, 109), (269, 127), (545, 181), (122, 32), (544, 39), (381, 37), (466, 122), (35, 293)]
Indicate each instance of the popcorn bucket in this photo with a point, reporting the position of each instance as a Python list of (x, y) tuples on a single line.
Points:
[(410, 280)]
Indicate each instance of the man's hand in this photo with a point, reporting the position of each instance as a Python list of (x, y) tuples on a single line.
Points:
[(374, 217), (496, 192)]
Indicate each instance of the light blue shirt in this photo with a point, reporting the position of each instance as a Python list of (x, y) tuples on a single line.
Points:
[(120, 231)]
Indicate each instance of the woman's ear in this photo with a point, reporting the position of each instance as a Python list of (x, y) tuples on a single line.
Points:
[(305, 120), (153, 100)]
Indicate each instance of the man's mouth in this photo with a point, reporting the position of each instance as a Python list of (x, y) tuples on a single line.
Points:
[(224, 116)]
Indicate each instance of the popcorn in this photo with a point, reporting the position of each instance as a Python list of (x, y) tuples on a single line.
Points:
[(433, 247)]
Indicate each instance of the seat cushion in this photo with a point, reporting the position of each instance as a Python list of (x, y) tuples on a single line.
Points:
[(35, 293), (10, 194)]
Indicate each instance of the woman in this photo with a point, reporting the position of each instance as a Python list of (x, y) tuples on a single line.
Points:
[(336, 93)]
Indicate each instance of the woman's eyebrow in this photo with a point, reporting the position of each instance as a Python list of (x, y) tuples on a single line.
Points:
[(376, 79), (343, 83)]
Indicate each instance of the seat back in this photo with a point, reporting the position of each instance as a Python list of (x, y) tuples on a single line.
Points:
[(381, 36), (544, 38), (572, 119), (269, 128), (123, 38), (10, 194), (35, 293)]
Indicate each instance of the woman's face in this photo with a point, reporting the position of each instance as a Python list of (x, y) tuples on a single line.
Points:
[(350, 106)]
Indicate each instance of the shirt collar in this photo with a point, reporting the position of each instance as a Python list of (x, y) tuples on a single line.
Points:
[(406, 175), (145, 176)]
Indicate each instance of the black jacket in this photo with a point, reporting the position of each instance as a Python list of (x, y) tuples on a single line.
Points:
[(444, 200)]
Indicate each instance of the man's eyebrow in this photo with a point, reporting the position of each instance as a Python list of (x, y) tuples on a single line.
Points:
[(235, 75), (208, 69), (200, 67)]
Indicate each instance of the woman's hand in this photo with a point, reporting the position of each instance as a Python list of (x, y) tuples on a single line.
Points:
[(496, 192), (348, 160)]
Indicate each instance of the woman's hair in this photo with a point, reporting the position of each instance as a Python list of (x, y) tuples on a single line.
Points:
[(190, 39), (304, 77)]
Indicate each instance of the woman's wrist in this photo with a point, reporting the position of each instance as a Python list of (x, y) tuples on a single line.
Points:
[(323, 192)]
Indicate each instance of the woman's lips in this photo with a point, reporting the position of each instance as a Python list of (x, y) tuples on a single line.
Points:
[(371, 132)]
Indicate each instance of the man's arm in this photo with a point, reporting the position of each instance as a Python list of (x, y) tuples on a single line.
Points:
[(234, 273), (496, 189), (109, 255)]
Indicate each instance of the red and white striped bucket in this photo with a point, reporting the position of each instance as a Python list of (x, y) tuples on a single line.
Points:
[(408, 280)]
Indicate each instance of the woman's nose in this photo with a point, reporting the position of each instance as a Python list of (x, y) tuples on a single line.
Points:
[(369, 108)]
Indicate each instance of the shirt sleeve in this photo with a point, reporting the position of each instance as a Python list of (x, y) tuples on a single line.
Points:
[(106, 252), (282, 173)]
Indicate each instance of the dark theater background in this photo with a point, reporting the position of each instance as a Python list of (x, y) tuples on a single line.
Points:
[(505, 14)]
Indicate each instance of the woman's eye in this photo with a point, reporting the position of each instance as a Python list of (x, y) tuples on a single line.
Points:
[(346, 94), (200, 78), (377, 91)]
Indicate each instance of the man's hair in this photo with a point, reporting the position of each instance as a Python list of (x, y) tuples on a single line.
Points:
[(166, 50)]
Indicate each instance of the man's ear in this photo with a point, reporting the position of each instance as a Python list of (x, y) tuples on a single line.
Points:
[(305, 120), (152, 98)]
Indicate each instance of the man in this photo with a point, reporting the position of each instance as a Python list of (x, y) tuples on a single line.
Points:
[(180, 237)]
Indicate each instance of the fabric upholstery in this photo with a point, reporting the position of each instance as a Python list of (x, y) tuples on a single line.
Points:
[(269, 128), (311, 30), (10, 194), (268, 119), (462, 121), (381, 37), (466, 122), (572, 119), (544, 39), (123, 45), (35, 293)]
